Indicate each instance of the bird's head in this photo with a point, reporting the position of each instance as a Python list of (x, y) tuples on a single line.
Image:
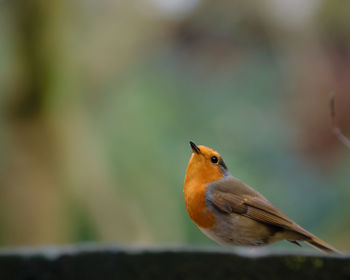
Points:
[(205, 165)]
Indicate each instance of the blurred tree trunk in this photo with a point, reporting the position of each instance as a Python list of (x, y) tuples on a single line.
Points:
[(53, 156), (31, 198)]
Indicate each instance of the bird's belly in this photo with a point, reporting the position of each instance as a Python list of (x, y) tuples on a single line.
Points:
[(238, 230)]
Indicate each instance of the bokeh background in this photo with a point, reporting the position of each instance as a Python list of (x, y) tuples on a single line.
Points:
[(99, 99)]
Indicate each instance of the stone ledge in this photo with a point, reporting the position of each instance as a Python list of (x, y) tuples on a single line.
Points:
[(106, 262)]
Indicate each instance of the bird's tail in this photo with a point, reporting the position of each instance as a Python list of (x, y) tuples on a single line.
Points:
[(322, 246)]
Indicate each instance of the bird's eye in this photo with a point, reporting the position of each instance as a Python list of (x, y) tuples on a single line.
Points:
[(214, 159)]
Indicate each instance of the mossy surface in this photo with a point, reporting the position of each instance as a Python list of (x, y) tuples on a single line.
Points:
[(109, 262)]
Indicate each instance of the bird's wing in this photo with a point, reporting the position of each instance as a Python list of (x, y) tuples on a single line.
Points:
[(229, 195)]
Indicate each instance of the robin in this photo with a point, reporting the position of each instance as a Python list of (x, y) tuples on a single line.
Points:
[(231, 212)]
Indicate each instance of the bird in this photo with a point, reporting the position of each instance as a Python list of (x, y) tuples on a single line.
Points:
[(232, 213)]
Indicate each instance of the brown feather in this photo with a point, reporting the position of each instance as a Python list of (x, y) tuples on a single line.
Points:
[(230, 195)]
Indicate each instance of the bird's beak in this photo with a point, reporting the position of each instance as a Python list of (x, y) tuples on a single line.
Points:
[(194, 147)]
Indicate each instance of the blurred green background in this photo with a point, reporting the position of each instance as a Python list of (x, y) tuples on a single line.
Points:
[(99, 100)]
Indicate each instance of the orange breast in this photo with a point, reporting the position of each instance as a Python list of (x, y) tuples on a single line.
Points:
[(200, 172), (195, 205)]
